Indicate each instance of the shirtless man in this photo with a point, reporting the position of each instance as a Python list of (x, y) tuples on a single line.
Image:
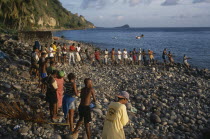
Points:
[(43, 70), (170, 58), (151, 56), (113, 56), (84, 108)]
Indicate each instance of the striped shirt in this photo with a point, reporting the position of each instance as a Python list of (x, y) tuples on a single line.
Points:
[(69, 90)]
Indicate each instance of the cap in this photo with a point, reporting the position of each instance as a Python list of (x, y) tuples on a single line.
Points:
[(123, 94), (50, 69), (61, 74)]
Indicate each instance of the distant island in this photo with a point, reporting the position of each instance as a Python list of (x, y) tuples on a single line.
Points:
[(124, 26)]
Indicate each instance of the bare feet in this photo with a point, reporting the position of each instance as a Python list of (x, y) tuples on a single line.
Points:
[(55, 118), (75, 135), (75, 132)]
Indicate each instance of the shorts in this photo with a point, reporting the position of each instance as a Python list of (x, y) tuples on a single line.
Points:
[(43, 75), (51, 97), (84, 112), (51, 58), (164, 57), (72, 105), (151, 57)]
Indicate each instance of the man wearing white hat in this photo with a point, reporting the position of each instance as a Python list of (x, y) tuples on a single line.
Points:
[(116, 118)]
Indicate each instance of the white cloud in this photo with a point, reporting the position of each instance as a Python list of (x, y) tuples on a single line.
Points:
[(100, 16), (134, 2), (120, 17)]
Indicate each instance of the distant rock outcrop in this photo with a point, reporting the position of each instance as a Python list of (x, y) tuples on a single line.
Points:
[(124, 26)]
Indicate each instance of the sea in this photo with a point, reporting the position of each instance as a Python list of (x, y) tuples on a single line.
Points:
[(194, 42)]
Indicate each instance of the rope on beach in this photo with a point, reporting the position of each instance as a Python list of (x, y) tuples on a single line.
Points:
[(64, 124), (30, 82)]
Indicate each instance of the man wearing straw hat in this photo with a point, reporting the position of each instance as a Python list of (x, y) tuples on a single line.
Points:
[(116, 118)]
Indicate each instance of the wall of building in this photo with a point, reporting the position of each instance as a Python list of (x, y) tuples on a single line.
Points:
[(44, 37)]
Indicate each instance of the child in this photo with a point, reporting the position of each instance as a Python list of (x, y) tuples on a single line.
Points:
[(84, 108), (69, 99), (43, 72), (51, 96)]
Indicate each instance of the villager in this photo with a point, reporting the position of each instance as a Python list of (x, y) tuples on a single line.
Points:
[(116, 118), (69, 99), (84, 108), (72, 50)]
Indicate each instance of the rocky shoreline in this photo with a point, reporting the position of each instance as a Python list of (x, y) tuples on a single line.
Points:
[(171, 102)]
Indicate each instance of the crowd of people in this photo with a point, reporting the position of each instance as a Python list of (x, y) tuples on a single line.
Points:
[(61, 93), (72, 54)]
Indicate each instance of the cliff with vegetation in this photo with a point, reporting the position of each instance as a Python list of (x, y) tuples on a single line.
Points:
[(39, 15)]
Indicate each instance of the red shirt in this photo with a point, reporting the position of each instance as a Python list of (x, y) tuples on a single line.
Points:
[(72, 48), (97, 55)]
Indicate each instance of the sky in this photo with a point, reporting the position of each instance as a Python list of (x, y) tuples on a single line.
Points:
[(142, 13)]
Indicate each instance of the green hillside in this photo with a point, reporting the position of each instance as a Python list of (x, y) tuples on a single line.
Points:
[(38, 15)]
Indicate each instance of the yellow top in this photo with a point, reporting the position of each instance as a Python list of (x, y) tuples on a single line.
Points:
[(116, 118), (151, 55), (54, 48)]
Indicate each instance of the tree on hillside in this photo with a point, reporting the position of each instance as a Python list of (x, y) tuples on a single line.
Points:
[(15, 13)]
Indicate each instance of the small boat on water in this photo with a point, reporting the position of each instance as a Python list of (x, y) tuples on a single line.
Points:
[(139, 37)]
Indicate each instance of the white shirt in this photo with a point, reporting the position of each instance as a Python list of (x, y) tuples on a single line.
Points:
[(78, 49), (51, 52), (35, 56), (140, 55), (119, 53), (106, 54), (185, 59), (125, 54)]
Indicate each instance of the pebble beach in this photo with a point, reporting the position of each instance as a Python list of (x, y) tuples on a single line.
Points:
[(165, 101)]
